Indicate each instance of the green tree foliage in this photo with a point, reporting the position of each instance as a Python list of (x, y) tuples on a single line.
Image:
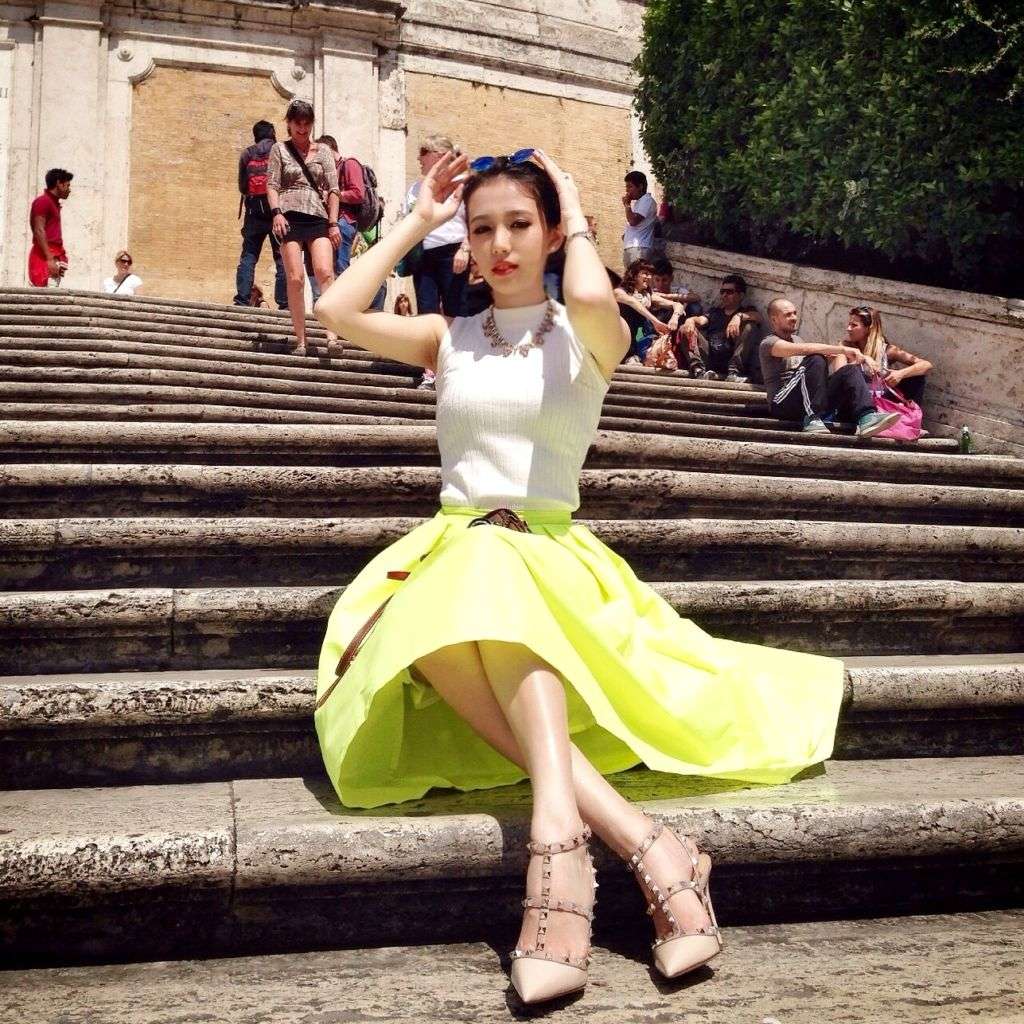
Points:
[(787, 127)]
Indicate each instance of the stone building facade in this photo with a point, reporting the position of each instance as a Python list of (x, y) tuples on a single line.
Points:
[(149, 103)]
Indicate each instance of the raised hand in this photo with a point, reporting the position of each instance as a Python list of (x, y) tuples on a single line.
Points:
[(441, 191), (568, 192)]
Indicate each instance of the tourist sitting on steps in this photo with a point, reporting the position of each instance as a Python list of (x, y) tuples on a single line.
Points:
[(661, 284), (122, 281), (500, 640), (796, 376), (637, 305), (864, 332), (725, 335)]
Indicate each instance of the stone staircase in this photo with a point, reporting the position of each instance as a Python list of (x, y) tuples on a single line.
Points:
[(181, 502)]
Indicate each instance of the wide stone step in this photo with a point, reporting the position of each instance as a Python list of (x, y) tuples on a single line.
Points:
[(181, 412), (276, 863), (61, 553), (204, 394), (144, 727), (191, 404), (56, 490), (359, 367), (637, 379), (265, 627), (947, 967), (345, 444)]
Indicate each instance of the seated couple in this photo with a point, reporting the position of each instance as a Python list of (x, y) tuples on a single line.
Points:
[(814, 383), (670, 329)]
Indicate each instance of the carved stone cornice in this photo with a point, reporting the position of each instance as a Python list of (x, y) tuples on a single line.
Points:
[(535, 42), (374, 19)]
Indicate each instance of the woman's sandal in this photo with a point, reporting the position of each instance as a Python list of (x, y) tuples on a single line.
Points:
[(538, 974), (297, 350), (677, 951)]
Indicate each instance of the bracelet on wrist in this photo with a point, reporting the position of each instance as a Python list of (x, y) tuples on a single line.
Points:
[(275, 212), (581, 234)]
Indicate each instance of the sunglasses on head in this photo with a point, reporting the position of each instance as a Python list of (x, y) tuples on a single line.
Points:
[(485, 163)]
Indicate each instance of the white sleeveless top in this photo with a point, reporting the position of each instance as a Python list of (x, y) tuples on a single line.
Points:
[(514, 430)]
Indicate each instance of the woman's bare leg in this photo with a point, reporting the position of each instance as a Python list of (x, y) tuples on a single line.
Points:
[(322, 257), (459, 676), (295, 278)]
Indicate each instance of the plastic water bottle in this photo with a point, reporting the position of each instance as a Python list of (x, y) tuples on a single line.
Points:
[(966, 441)]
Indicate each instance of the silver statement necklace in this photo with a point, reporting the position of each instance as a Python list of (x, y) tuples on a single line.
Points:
[(522, 348)]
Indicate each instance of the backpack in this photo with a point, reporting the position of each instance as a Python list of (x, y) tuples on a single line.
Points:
[(256, 174), (371, 209), (256, 182)]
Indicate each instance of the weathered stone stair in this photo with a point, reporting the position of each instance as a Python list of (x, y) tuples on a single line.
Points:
[(182, 502)]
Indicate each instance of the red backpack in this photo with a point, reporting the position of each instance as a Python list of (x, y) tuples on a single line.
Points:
[(256, 174)]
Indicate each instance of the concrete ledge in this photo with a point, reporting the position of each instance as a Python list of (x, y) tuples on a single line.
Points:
[(615, 450), (31, 489), (945, 962), (292, 832), (230, 551), (180, 413), (105, 841), (357, 367), (209, 725), (263, 627), (61, 704)]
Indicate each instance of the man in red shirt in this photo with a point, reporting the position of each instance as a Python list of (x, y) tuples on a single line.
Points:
[(47, 259)]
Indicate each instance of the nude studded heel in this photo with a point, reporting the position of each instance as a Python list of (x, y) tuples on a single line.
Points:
[(677, 951), (538, 974)]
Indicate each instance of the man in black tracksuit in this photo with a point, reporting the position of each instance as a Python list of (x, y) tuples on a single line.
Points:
[(252, 184)]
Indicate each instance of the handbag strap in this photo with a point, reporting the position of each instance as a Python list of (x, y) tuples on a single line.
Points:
[(504, 517), (882, 385)]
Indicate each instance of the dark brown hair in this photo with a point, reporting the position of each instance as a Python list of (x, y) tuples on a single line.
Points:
[(633, 271), (534, 180)]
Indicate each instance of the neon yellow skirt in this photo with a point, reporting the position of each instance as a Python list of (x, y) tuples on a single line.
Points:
[(642, 684)]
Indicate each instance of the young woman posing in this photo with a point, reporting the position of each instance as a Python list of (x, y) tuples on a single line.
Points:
[(864, 331), (305, 212), (489, 646)]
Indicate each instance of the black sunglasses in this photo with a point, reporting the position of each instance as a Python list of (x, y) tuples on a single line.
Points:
[(485, 163)]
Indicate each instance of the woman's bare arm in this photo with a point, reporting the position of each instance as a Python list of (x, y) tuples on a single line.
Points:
[(913, 366), (589, 301), (344, 307), (622, 296)]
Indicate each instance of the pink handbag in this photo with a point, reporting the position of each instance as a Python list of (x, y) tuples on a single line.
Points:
[(908, 427)]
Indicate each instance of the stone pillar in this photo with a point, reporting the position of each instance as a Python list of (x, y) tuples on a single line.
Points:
[(7, 175), (393, 131), (71, 77), (346, 95)]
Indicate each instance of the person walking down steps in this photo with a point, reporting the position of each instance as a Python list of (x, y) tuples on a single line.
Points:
[(501, 640), (302, 189)]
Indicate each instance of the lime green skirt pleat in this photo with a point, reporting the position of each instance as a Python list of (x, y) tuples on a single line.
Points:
[(642, 684)]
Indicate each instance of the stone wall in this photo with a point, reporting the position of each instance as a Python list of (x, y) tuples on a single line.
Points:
[(975, 342), (557, 71), (183, 224), (589, 140)]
